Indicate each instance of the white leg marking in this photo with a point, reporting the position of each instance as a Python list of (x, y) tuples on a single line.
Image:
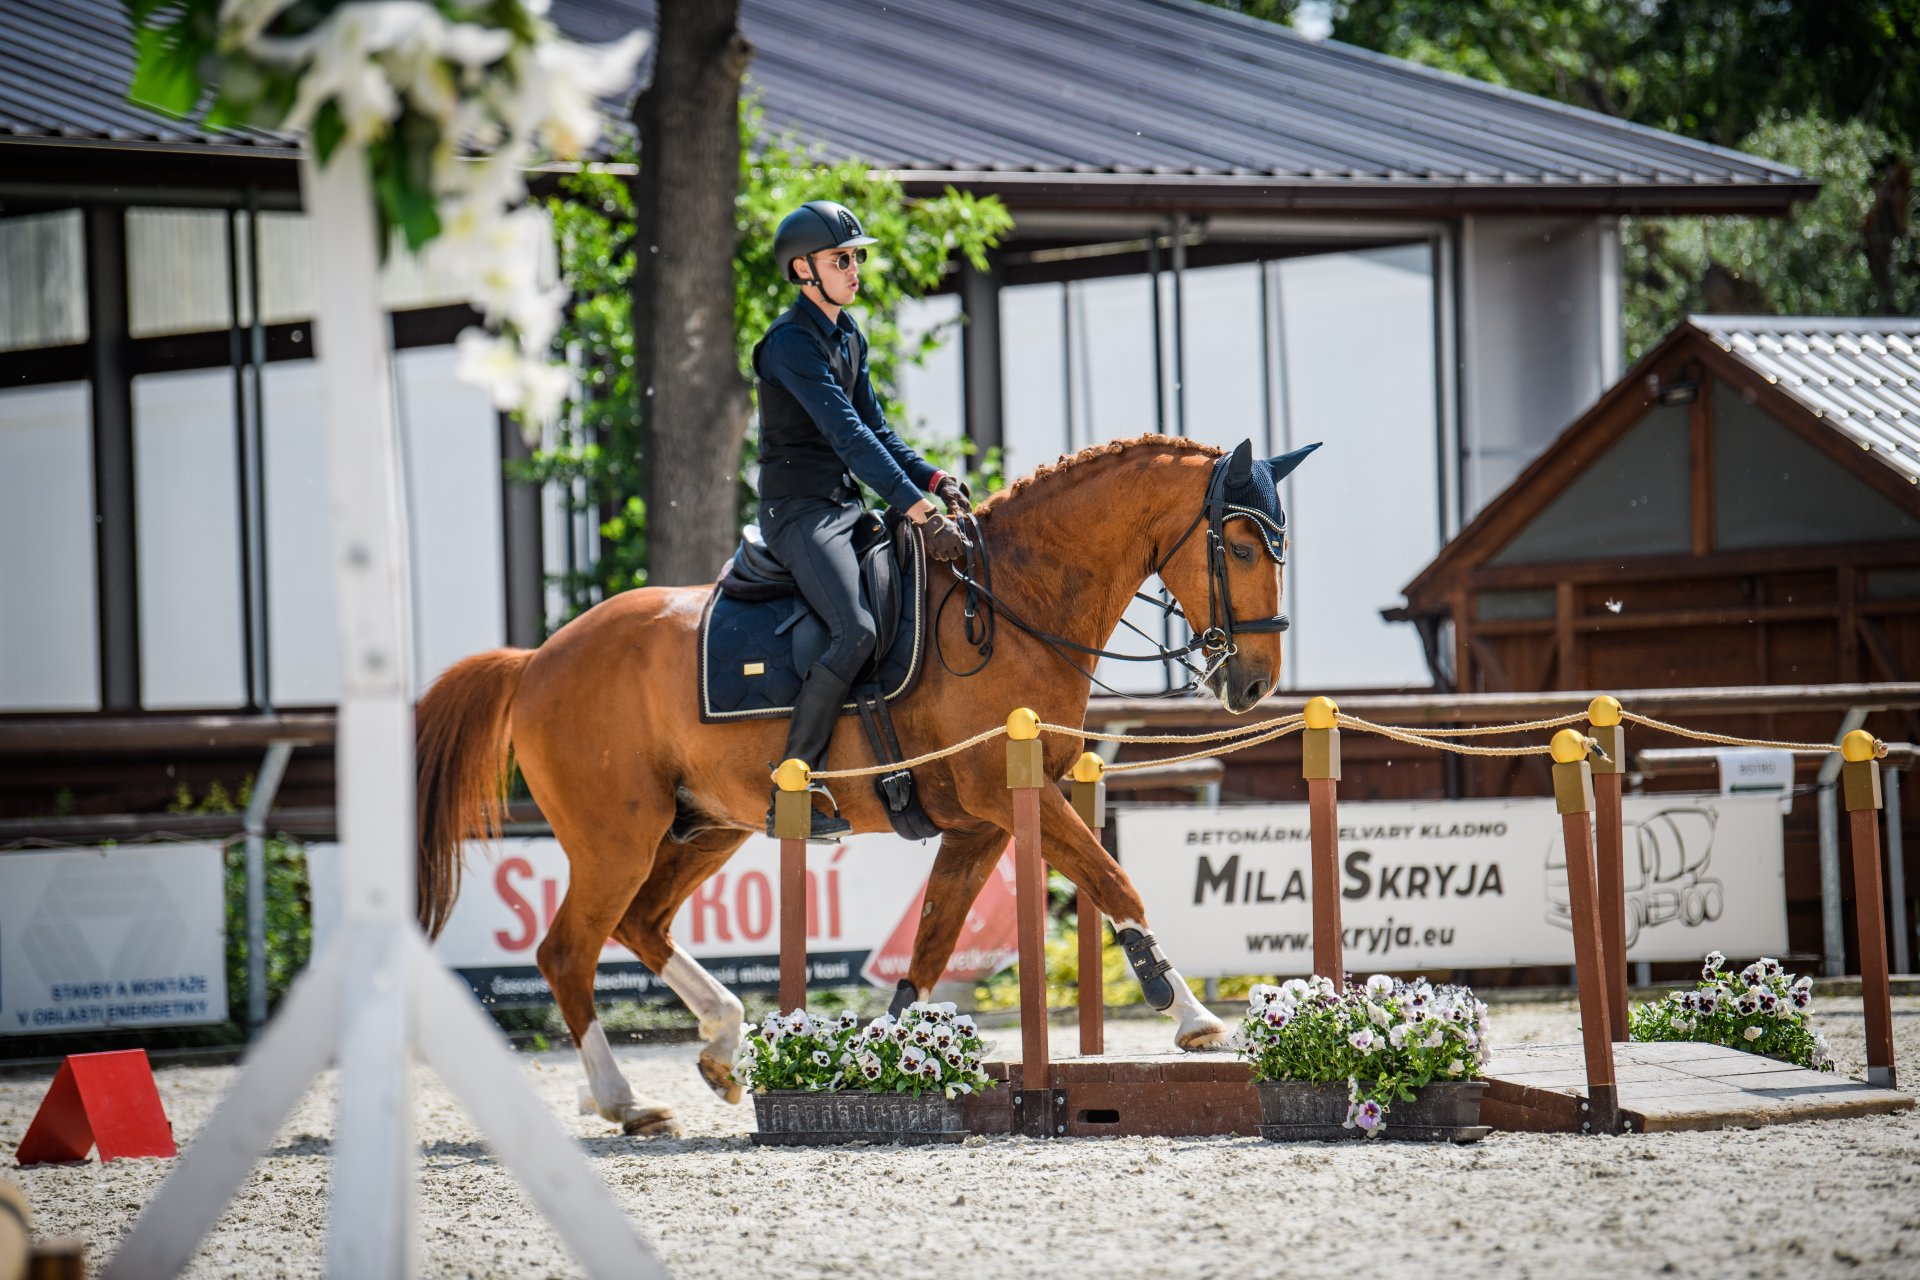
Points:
[(719, 1012), (1194, 1026), (611, 1093), (717, 1008)]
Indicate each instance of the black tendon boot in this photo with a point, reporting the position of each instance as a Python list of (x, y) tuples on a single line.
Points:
[(815, 712)]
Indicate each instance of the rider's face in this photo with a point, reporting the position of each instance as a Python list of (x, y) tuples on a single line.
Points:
[(842, 282)]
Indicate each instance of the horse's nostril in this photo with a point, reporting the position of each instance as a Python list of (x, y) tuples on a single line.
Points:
[(1255, 689)]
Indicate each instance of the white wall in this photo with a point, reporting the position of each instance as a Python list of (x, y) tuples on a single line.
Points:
[(49, 641), (1540, 337), (1349, 357)]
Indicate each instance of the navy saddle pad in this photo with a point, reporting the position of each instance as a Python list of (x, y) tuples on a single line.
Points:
[(758, 637)]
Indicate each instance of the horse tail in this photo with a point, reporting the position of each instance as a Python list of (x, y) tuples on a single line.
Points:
[(462, 743)]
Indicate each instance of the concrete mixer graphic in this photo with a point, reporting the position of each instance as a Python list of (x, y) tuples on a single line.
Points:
[(1666, 857)]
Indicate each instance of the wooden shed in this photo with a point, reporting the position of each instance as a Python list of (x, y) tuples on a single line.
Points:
[(1743, 508)]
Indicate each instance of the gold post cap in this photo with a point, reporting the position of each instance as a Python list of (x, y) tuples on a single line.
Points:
[(1604, 711), (1859, 745), (1322, 713), (793, 775), (1089, 768), (1569, 746), (1023, 725)]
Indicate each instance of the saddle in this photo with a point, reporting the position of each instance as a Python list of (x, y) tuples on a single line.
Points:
[(758, 638)]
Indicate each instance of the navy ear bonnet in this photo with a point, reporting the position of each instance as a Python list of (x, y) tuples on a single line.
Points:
[(1248, 489)]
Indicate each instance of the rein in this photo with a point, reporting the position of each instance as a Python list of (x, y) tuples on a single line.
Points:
[(1216, 642)]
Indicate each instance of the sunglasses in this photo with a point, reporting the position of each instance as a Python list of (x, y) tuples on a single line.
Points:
[(847, 258)]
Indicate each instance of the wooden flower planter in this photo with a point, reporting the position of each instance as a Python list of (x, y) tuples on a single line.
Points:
[(796, 1118), (1444, 1111)]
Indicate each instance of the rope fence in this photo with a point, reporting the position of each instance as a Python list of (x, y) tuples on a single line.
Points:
[(1220, 742)]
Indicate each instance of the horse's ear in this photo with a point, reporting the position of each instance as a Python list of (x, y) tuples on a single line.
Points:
[(1283, 466), (1240, 465)]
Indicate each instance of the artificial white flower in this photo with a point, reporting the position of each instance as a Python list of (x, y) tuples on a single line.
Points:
[(1435, 1040), (1752, 1033), (1379, 985), (561, 83), (242, 20), (1364, 1040)]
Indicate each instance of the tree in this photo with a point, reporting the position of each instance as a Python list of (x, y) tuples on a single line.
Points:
[(693, 402), (1830, 86)]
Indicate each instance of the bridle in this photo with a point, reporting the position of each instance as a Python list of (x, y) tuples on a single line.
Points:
[(1215, 645)]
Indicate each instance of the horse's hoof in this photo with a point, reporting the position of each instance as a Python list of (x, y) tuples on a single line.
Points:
[(719, 1078), (1202, 1037), (651, 1122)]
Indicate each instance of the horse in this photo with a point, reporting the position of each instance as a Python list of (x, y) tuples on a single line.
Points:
[(602, 720)]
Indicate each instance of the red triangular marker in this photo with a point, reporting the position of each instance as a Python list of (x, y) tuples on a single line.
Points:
[(104, 1099), (987, 942)]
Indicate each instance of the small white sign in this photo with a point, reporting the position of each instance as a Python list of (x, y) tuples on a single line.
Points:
[(92, 939), (1757, 771), (1450, 884)]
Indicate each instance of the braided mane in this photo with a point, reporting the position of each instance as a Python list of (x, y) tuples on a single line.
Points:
[(1065, 464)]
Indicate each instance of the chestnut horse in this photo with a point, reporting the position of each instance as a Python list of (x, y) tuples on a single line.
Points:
[(648, 802)]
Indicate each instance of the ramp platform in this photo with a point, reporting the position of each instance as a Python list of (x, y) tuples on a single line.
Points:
[(1671, 1086)]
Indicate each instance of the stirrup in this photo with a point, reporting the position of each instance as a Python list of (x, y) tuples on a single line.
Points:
[(824, 828)]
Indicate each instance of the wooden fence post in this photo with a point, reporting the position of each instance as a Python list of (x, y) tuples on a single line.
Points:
[(1320, 765), (1026, 774), (1573, 796), (1090, 802), (1860, 789), (792, 822), (1603, 718)]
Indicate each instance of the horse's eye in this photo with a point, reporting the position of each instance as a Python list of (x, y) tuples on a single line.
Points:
[(1241, 551)]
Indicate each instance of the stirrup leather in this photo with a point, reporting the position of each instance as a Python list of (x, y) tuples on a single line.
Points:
[(1149, 966)]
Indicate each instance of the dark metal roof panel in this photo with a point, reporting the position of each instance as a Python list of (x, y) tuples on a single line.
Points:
[(64, 70), (1168, 89)]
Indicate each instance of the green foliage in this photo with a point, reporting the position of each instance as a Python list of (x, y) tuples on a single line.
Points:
[(930, 1049), (1825, 260), (1762, 1009), (1830, 87), (1386, 1040), (596, 444)]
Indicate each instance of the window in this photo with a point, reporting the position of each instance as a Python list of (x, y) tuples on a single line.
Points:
[(1773, 488), (1635, 500), (43, 281), (49, 614)]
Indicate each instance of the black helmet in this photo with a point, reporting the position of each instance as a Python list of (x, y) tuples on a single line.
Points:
[(814, 226)]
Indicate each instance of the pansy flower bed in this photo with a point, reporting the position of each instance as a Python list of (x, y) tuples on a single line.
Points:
[(1761, 1009), (1327, 1059), (829, 1079)]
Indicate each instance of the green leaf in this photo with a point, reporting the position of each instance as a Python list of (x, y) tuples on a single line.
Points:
[(329, 129), (166, 73)]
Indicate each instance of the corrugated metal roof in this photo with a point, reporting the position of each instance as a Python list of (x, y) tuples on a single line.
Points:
[(64, 70), (1859, 376), (1102, 94)]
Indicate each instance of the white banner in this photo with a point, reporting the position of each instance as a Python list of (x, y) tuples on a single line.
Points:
[(1451, 884), (863, 906), (122, 937)]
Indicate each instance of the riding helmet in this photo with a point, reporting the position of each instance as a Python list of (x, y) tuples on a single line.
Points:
[(815, 226)]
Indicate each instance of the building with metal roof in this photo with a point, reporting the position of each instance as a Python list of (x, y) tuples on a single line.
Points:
[(1743, 508), (1223, 229)]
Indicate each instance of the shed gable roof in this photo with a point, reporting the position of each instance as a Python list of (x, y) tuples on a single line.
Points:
[(1852, 384), (1052, 96)]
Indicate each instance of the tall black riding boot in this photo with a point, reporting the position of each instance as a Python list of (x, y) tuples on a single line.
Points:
[(815, 712)]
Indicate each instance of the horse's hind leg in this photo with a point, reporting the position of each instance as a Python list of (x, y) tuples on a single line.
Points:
[(607, 867), (966, 858), (646, 930)]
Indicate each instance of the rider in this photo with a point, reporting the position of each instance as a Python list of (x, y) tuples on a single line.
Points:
[(821, 431)]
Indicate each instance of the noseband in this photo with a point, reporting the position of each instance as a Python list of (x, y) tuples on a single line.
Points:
[(1216, 644)]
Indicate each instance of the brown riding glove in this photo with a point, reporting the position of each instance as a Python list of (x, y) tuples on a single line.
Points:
[(953, 491), (943, 536)]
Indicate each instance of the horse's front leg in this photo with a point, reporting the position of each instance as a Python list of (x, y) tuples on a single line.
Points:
[(1073, 850)]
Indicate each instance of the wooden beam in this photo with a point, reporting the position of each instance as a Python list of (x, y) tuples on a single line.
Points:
[(1867, 555), (1700, 423)]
